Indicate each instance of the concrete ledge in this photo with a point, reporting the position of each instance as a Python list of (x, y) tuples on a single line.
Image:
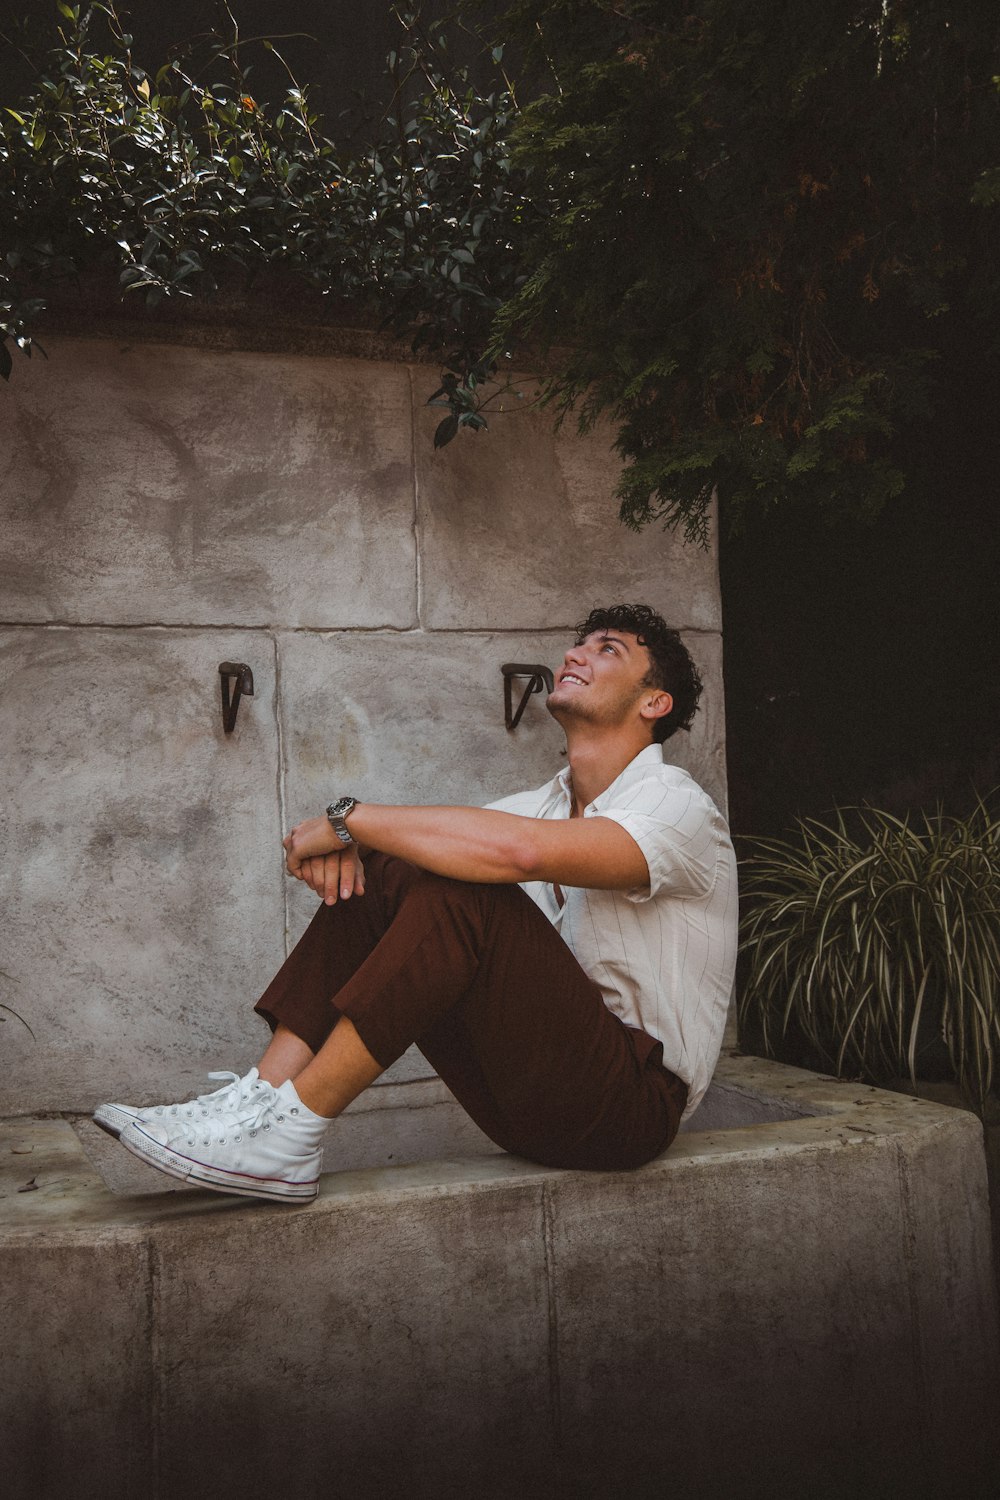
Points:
[(801, 1305)]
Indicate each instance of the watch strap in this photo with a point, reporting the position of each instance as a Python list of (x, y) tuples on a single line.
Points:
[(337, 812)]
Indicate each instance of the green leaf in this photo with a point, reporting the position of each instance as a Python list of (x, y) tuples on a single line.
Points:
[(236, 166), (445, 431)]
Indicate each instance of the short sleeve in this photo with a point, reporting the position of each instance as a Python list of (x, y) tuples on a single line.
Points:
[(680, 832)]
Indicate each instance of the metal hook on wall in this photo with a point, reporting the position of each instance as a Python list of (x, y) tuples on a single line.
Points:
[(539, 677), (244, 685)]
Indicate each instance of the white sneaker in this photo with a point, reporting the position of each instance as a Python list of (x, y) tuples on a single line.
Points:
[(114, 1117), (266, 1147)]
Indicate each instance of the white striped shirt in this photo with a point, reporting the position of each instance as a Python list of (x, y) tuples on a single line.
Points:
[(663, 955)]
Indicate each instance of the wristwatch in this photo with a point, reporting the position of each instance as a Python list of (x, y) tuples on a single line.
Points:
[(337, 812)]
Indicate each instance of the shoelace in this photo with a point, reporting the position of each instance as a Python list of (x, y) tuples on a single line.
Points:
[(257, 1114), (230, 1095)]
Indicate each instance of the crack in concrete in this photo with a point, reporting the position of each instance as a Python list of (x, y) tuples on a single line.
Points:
[(557, 630), (548, 1245), (917, 1351), (418, 537), (281, 774), (152, 1478)]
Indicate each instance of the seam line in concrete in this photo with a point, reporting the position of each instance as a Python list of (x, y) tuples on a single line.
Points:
[(322, 630), (155, 1376), (281, 772), (418, 538), (548, 1243), (928, 1449)]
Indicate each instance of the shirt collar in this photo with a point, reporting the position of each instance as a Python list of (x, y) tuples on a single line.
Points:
[(652, 755)]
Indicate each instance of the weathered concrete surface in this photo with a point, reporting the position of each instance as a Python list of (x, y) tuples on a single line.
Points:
[(76, 1392), (400, 1357), (152, 483), (143, 876), (142, 884), (520, 527), (799, 1307), (148, 484)]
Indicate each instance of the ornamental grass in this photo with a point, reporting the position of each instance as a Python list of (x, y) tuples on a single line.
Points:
[(872, 943)]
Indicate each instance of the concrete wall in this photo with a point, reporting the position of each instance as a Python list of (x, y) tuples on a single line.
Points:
[(165, 508), (798, 1305)]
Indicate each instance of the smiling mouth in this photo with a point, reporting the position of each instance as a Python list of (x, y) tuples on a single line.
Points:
[(571, 677)]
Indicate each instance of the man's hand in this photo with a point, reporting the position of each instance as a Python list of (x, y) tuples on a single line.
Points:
[(315, 855)]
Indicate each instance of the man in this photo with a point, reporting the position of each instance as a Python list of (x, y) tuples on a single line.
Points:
[(563, 957)]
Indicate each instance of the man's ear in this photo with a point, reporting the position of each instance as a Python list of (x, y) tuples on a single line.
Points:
[(657, 705)]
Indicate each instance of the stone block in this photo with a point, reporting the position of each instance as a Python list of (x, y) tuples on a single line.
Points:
[(519, 525), (76, 1397), (944, 1191), (143, 884), (798, 1307), (370, 1364), (788, 1333), (154, 484)]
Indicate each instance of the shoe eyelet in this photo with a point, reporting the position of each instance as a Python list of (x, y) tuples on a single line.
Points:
[(281, 1119), (267, 1127), (293, 1110), (238, 1137), (253, 1132)]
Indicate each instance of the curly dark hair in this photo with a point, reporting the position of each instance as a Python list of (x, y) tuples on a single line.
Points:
[(671, 666)]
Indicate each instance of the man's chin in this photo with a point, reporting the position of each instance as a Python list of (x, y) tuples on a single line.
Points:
[(563, 708)]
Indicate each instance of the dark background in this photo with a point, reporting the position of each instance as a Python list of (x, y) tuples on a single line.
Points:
[(861, 662)]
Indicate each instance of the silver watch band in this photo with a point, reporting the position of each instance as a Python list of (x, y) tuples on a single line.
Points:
[(337, 812)]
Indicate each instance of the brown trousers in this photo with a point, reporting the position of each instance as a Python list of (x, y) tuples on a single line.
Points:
[(479, 978)]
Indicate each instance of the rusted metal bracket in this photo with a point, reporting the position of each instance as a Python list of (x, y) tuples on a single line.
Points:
[(539, 677), (244, 685)]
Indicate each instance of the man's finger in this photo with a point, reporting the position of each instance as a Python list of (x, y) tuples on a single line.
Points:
[(347, 873)]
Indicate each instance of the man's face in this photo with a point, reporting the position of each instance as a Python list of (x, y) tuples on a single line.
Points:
[(601, 679)]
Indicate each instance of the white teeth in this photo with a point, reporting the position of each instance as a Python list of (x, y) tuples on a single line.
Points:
[(572, 677)]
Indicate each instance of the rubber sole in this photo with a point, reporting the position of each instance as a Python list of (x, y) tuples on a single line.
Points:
[(242, 1184), (113, 1119)]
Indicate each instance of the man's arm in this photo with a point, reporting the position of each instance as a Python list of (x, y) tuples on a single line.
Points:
[(471, 843)]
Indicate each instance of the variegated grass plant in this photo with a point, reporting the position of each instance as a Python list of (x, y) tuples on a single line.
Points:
[(877, 939)]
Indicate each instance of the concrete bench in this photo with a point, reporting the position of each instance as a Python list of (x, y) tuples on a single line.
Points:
[(797, 1298)]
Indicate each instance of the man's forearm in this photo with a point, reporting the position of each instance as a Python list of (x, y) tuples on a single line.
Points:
[(481, 844), (466, 843)]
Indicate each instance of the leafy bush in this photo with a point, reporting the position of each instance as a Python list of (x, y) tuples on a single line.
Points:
[(172, 184), (760, 238), (763, 252), (877, 940)]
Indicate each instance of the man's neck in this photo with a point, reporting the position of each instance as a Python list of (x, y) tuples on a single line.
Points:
[(595, 762)]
